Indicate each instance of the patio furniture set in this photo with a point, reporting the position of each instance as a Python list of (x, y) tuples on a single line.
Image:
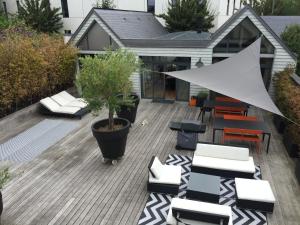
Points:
[(211, 162)]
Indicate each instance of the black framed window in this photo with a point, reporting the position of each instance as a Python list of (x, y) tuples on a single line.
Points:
[(5, 9), (18, 5), (65, 8), (151, 6), (243, 35)]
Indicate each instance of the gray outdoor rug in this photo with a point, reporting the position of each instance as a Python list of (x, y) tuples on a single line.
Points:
[(35, 140)]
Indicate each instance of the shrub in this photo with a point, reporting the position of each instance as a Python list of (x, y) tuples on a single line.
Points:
[(32, 66), (288, 101)]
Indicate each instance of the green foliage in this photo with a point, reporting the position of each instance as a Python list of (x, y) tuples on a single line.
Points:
[(4, 177), (291, 37), (275, 7), (8, 22), (103, 77), (105, 4), (202, 94), (287, 97), (39, 15), (32, 66), (184, 15)]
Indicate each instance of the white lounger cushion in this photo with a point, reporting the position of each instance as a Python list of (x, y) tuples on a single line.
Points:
[(224, 164), (205, 207), (169, 174), (65, 99), (56, 108), (254, 190), (222, 151)]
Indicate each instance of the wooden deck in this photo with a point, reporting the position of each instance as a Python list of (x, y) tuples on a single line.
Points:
[(68, 183)]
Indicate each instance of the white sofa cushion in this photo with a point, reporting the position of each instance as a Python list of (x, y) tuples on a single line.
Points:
[(65, 99), (169, 174), (157, 168), (55, 107), (199, 206), (224, 164), (222, 151), (254, 190)]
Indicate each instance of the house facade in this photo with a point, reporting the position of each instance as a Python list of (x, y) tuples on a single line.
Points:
[(74, 11), (160, 51)]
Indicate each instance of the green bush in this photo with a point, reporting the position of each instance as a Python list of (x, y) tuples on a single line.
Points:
[(291, 37), (288, 101), (32, 66)]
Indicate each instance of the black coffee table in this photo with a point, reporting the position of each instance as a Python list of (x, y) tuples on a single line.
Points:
[(203, 187)]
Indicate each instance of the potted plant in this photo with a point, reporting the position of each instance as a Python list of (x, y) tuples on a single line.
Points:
[(4, 177), (101, 80), (201, 97), (129, 110)]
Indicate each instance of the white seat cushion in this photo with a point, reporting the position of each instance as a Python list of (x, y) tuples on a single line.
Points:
[(224, 164), (56, 108), (66, 96), (157, 168), (199, 206), (65, 99), (222, 151), (254, 190), (169, 174)]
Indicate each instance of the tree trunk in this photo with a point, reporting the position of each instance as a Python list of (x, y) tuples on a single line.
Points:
[(110, 119)]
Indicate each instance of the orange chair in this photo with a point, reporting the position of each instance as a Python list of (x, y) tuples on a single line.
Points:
[(193, 102), (243, 135), (238, 117), (223, 110), (226, 99)]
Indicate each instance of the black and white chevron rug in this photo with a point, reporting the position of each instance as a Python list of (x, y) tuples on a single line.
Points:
[(157, 206)]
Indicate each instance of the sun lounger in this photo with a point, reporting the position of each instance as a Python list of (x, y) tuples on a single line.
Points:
[(224, 161), (65, 99), (49, 107), (254, 194), (163, 178), (184, 211)]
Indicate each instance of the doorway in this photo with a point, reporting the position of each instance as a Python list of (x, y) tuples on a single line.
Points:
[(161, 87)]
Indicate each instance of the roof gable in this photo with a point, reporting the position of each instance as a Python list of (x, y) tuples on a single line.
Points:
[(247, 11), (279, 23)]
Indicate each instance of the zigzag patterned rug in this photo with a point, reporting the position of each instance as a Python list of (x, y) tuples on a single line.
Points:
[(157, 206)]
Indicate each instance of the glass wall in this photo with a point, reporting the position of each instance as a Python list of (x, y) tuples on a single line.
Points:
[(159, 86), (241, 37)]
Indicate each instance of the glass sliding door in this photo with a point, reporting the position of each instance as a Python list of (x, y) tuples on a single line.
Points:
[(158, 83)]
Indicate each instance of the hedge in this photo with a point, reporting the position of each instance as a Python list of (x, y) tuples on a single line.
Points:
[(32, 66), (288, 100)]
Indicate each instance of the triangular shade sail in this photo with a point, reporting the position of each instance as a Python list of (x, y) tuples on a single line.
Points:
[(237, 77)]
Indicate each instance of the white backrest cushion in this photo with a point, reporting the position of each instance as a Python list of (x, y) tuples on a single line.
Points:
[(66, 96), (50, 104), (222, 151), (157, 168), (60, 100)]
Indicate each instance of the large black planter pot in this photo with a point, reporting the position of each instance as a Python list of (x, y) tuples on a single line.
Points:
[(291, 147), (279, 123), (200, 101), (1, 204), (297, 170), (112, 143), (129, 112)]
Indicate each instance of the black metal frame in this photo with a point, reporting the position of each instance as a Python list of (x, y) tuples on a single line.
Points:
[(179, 213), (79, 114)]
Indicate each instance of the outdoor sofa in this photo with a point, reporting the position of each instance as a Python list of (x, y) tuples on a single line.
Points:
[(63, 104), (163, 178), (224, 161), (184, 211)]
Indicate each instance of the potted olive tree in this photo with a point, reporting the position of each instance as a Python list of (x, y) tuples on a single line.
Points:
[(128, 111), (4, 177), (102, 79), (201, 97)]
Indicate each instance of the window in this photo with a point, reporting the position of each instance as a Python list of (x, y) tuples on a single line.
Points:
[(227, 11), (151, 6), (5, 9), (241, 37), (65, 8), (18, 5), (68, 32)]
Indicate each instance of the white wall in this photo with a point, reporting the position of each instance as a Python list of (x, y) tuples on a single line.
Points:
[(78, 9)]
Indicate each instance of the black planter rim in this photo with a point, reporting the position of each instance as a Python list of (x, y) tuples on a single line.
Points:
[(126, 126)]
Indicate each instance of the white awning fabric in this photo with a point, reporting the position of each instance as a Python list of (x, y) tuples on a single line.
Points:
[(238, 77)]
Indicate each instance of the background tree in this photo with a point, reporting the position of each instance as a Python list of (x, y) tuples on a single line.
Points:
[(39, 15), (291, 37), (183, 15), (105, 4)]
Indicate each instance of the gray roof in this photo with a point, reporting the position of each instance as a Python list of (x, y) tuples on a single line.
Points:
[(279, 23), (186, 36), (131, 24)]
